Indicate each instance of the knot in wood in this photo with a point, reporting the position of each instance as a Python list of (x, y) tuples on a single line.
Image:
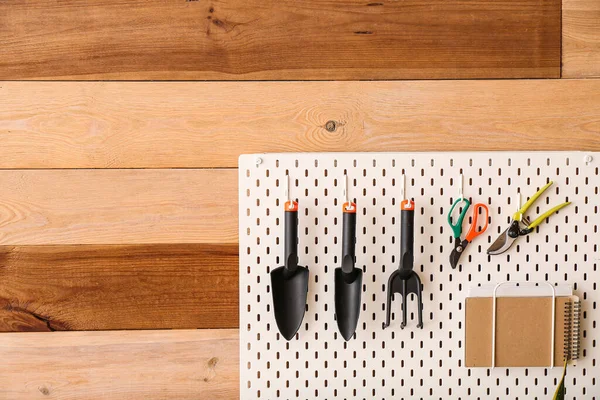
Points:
[(331, 126)]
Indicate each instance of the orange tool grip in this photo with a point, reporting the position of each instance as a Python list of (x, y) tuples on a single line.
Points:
[(407, 205), (473, 232), (349, 207), (291, 206)]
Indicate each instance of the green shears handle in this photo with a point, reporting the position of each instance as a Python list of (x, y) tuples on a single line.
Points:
[(518, 216), (457, 228), (545, 215)]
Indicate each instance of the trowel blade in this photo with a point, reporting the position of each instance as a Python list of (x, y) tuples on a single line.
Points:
[(348, 289), (289, 299)]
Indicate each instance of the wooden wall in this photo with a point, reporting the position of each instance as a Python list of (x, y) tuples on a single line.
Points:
[(118, 204), (279, 39)]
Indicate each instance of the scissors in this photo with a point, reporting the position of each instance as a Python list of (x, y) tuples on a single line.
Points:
[(460, 245)]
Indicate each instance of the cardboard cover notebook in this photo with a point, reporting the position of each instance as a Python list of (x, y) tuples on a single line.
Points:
[(523, 327)]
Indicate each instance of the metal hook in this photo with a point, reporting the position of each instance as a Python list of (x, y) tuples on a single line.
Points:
[(345, 194), (286, 194), (345, 191), (460, 188), (403, 187), (524, 219)]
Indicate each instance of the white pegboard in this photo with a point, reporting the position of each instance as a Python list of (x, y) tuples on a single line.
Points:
[(410, 363)]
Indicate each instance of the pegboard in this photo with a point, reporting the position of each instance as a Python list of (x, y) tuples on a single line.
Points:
[(410, 363)]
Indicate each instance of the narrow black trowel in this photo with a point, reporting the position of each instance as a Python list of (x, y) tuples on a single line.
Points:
[(289, 283), (348, 278)]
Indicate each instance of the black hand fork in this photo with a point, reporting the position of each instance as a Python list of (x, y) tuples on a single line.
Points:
[(404, 280)]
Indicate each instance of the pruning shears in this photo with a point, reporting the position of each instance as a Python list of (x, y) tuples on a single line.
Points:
[(507, 238)]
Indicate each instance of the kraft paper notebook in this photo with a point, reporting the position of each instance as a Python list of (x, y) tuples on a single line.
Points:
[(523, 327)]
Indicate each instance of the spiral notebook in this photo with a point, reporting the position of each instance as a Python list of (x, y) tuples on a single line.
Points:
[(523, 329)]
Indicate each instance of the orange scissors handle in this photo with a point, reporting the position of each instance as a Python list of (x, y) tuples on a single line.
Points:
[(474, 231)]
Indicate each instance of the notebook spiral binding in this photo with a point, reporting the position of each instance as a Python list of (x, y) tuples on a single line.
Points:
[(576, 337), (572, 330), (567, 350)]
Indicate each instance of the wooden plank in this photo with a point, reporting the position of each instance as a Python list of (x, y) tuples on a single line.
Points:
[(581, 39), (118, 206), (91, 287), (161, 365), (279, 39), (160, 125)]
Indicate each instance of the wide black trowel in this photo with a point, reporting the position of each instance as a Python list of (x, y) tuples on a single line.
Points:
[(289, 283), (348, 278)]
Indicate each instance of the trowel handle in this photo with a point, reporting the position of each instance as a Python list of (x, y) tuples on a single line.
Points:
[(291, 236), (407, 231), (348, 237)]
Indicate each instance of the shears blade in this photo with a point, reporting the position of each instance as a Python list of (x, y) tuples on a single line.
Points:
[(503, 243), (457, 252)]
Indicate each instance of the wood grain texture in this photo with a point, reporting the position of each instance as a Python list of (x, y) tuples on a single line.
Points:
[(279, 39), (581, 39), (118, 206), (132, 365), (160, 125), (46, 288)]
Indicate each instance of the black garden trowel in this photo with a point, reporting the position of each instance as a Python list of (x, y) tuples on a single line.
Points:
[(348, 279), (404, 280), (289, 283)]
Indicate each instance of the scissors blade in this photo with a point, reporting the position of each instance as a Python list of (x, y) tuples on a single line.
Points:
[(459, 249), (501, 244), (454, 256)]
